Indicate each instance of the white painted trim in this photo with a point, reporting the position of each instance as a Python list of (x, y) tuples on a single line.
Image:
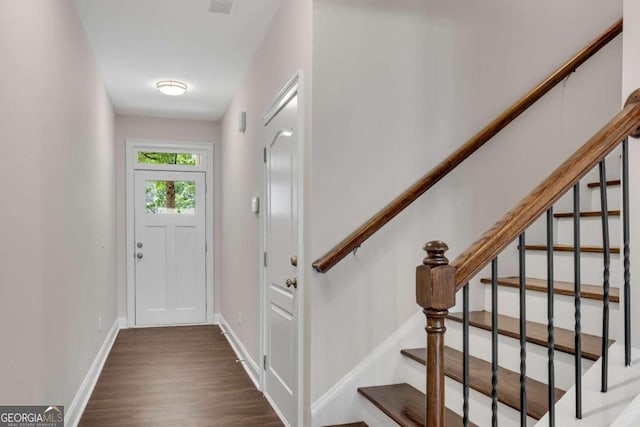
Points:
[(289, 89), (303, 266), (275, 408), (294, 86), (171, 147), (205, 148), (630, 415), (74, 413), (390, 344), (249, 365)]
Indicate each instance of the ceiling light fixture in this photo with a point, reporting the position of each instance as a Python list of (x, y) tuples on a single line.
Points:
[(171, 87)]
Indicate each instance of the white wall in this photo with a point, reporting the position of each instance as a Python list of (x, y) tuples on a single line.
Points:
[(161, 129), (57, 210), (285, 50), (397, 87), (631, 82)]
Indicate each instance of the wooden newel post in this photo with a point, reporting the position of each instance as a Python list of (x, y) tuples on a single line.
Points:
[(435, 293)]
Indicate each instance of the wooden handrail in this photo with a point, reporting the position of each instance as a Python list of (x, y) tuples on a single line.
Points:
[(355, 239), (478, 255)]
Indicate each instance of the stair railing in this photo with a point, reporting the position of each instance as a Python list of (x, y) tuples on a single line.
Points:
[(391, 210), (438, 281)]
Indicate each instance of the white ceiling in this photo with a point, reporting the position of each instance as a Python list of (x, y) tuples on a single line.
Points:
[(139, 42)]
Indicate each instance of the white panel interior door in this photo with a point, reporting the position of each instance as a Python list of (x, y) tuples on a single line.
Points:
[(282, 244), (170, 247)]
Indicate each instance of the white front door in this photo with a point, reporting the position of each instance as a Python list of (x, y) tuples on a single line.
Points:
[(170, 249), (281, 379)]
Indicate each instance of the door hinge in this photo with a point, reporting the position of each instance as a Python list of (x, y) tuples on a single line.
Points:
[(264, 154), (264, 259), (264, 362)]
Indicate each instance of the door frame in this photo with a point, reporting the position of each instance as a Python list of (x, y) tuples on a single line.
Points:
[(292, 87), (206, 150)]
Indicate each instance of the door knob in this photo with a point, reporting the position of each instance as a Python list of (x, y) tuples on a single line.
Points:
[(294, 260), (139, 255), (292, 282)]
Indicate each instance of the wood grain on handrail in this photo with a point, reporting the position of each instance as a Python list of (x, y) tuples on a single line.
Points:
[(355, 239), (478, 255)]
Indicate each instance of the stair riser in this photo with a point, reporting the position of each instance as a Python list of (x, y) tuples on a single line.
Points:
[(590, 231), (374, 416), (591, 310), (480, 407), (509, 355), (591, 267), (614, 197)]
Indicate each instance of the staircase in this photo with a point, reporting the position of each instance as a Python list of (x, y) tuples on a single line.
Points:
[(404, 404), (539, 335)]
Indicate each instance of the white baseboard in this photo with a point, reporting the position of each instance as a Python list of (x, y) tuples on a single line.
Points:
[(250, 365), (277, 410), (341, 403), (73, 414)]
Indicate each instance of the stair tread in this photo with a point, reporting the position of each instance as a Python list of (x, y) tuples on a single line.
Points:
[(358, 424), (586, 214), (612, 182), (569, 248), (536, 333), (480, 380), (560, 288), (404, 404)]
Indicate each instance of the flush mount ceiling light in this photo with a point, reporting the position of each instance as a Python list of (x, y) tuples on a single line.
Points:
[(171, 87)]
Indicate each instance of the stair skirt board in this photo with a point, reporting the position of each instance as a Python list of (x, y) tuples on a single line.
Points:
[(342, 403), (601, 409), (630, 417)]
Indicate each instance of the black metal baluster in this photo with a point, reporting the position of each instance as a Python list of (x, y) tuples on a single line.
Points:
[(494, 342), (523, 333), (550, 340), (465, 355), (576, 284), (627, 265), (605, 282)]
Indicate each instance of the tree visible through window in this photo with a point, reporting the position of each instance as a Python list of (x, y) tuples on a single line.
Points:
[(169, 196), (165, 197)]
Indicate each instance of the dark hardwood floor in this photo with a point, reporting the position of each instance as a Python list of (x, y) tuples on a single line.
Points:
[(177, 376)]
